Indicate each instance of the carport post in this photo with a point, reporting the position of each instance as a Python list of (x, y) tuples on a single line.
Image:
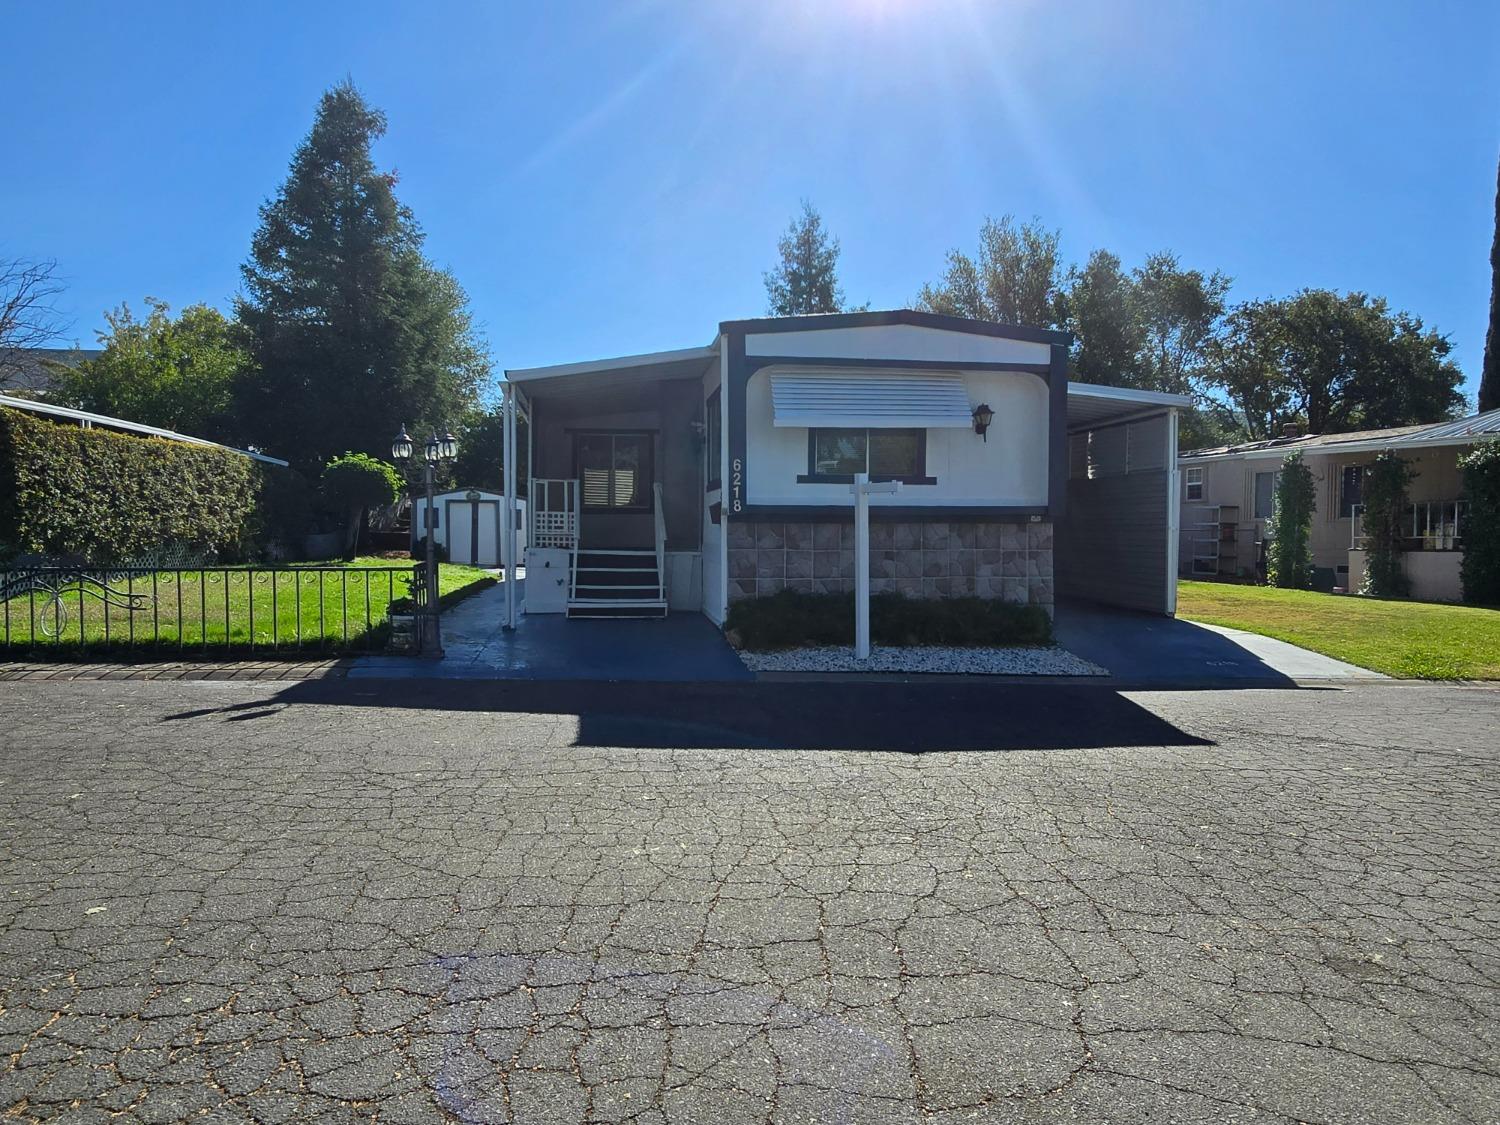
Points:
[(508, 534), (1174, 513), (862, 488)]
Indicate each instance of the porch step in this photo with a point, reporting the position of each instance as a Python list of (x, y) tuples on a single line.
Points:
[(617, 607), (616, 582)]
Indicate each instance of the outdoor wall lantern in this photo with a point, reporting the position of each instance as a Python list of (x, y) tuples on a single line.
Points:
[(983, 416)]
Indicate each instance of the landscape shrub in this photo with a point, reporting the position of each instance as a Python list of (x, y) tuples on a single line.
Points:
[(1480, 568), (1289, 530), (352, 485), (106, 497), (789, 619), (1385, 526)]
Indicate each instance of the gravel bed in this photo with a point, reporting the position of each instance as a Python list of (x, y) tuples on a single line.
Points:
[(1050, 661)]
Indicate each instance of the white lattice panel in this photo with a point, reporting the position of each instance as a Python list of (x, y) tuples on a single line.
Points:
[(553, 529)]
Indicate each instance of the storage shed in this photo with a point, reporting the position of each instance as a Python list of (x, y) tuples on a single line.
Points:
[(468, 525)]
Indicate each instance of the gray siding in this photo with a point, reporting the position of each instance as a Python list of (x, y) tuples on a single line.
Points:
[(1112, 542)]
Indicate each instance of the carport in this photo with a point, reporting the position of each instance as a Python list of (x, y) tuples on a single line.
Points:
[(1116, 543)]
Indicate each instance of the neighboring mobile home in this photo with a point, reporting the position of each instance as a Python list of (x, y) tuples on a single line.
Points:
[(1227, 493), (689, 479)]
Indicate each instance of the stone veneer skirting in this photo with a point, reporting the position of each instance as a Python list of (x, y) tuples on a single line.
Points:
[(929, 559)]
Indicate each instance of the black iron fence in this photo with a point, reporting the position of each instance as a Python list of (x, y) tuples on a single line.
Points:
[(211, 609)]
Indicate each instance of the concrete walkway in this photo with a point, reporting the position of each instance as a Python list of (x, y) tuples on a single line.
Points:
[(1152, 651), (681, 648)]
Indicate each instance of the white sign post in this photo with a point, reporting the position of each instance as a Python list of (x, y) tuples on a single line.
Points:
[(863, 489)]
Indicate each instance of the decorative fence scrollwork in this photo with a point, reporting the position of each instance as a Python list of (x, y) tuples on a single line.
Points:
[(52, 583)]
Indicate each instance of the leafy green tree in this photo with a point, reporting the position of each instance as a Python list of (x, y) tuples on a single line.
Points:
[(176, 373), (481, 453), (1098, 304), (1349, 363), (1015, 279), (1289, 530), (1179, 312), (352, 485), (1480, 568), (1244, 367), (351, 328), (1385, 525), (1489, 381), (806, 279)]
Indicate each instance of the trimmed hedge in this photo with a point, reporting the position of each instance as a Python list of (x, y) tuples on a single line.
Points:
[(790, 619), (106, 497)]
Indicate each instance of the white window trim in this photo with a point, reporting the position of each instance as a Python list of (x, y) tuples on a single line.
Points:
[(1189, 483)]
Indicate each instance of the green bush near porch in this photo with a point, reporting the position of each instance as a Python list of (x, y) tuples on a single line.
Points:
[(792, 619)]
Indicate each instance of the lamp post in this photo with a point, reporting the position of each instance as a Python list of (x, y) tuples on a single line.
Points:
[(437, 450)]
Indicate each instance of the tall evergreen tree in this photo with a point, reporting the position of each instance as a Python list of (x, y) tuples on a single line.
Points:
[(352, 329), (806, 280), (1489, 381)]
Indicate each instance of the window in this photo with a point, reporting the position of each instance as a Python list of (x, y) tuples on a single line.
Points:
[(713, 441), (1192, 479), (836, 455), (614, 471), (1265, 494), (1351, 489)]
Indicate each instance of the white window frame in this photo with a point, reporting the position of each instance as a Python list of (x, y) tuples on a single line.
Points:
[(1190, 481), (1275, 475)]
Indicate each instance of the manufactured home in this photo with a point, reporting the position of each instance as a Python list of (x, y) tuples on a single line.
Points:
[(1227, 497), (689, 479)]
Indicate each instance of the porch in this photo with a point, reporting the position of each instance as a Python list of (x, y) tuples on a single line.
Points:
[(615, 490)]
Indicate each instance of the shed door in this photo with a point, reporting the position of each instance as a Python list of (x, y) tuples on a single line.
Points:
[(474, 532)]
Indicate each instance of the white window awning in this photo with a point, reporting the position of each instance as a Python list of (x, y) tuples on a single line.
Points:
[(871, 399)]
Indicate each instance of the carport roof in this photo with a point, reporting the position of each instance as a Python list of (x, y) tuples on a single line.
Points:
[(1091, 405), (681, 363)]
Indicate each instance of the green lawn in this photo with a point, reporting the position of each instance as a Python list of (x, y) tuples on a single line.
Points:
[(1412, 640), (317, 607)]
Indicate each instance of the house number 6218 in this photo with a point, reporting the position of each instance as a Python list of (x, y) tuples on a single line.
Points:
[(736, 484)]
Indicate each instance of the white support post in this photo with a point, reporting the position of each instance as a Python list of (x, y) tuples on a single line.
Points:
[(508, 535), (862, 489)]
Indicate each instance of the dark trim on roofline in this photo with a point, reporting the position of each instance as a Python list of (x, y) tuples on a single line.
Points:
[(1041, 369), (897, 316), (1057, 434), (844, 513)]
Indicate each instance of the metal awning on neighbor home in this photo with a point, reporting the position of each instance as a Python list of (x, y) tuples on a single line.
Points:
[(853, 398)]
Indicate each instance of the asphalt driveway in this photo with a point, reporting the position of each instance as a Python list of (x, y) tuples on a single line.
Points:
[(357, 900)]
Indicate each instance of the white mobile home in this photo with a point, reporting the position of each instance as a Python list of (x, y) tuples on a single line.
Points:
[(688, 479)]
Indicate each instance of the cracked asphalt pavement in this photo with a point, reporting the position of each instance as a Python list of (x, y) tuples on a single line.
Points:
[(356, 901)]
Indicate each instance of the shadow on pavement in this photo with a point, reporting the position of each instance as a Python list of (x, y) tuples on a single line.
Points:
[(896, 717)]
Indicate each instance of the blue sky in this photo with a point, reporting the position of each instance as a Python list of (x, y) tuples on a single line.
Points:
[(611, 178)]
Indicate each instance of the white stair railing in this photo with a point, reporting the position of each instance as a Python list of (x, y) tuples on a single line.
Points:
[(661, 543)]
